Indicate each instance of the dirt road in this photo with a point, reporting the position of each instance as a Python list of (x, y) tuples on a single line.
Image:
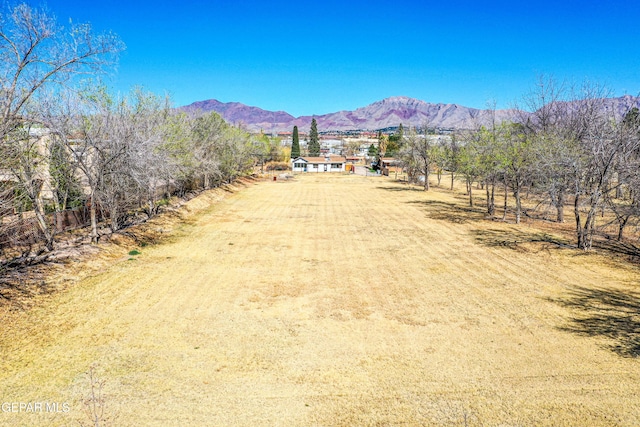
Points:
[(338, 301)]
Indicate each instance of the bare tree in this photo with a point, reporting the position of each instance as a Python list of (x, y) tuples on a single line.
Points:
[(519, 160), (578, 148), (469, 162), (488, 145), (451, 156), (420, 153), (24, 154), (234, 153), (86, 123), (176, 143), (36, 52), (591, 128), (555, 148), (38, 55), (149, 166), (622, 197), (66, 190), (352, 147), (122, 138), (206, 137)]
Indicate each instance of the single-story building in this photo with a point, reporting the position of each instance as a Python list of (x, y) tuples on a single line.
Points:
[(327, 163), (389, 164)]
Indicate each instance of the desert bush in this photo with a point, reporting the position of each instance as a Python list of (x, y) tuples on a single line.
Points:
[(277, 166)]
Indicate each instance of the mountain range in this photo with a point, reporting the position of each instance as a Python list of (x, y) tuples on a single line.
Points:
[(389, 112)]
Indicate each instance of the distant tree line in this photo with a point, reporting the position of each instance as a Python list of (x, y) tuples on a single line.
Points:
[(66, 142)]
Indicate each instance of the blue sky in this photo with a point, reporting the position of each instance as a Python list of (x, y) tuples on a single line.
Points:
[(325, 56)]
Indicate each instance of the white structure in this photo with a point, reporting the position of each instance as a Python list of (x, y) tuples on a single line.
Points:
[(319, 164)]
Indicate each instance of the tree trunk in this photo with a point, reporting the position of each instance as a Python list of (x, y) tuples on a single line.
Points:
[(38, 207), (581, 232), (506, 198), (619, 194), (452, 176), (426, 179), (560, 206), (94, 219), (151, 207), (57, 206), (488, 200), (518, 202), (43, 224), (65, 200), (621, 226), (491, 198), (590, 223), (114, 214), (439, 175), (576, 213), (470, 187)]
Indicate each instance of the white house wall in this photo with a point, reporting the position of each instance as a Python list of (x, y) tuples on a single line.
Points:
[(319, 169)]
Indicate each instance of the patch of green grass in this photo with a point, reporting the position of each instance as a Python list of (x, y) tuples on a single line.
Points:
[(134, 252)]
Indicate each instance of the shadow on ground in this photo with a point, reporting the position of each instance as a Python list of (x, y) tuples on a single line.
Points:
[(450, 212), (397, 189), (511, 238), (626, 249), (606, 313), (19, 285)]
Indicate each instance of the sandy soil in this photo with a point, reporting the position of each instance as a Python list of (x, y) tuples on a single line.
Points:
[(337, 301)]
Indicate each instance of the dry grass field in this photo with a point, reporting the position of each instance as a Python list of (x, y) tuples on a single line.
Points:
[(336, 301)]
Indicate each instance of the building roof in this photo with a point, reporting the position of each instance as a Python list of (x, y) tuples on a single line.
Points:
[(331, 159)]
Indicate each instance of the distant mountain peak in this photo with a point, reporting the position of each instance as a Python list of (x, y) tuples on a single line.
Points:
[(400, 100), (388, 112)]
